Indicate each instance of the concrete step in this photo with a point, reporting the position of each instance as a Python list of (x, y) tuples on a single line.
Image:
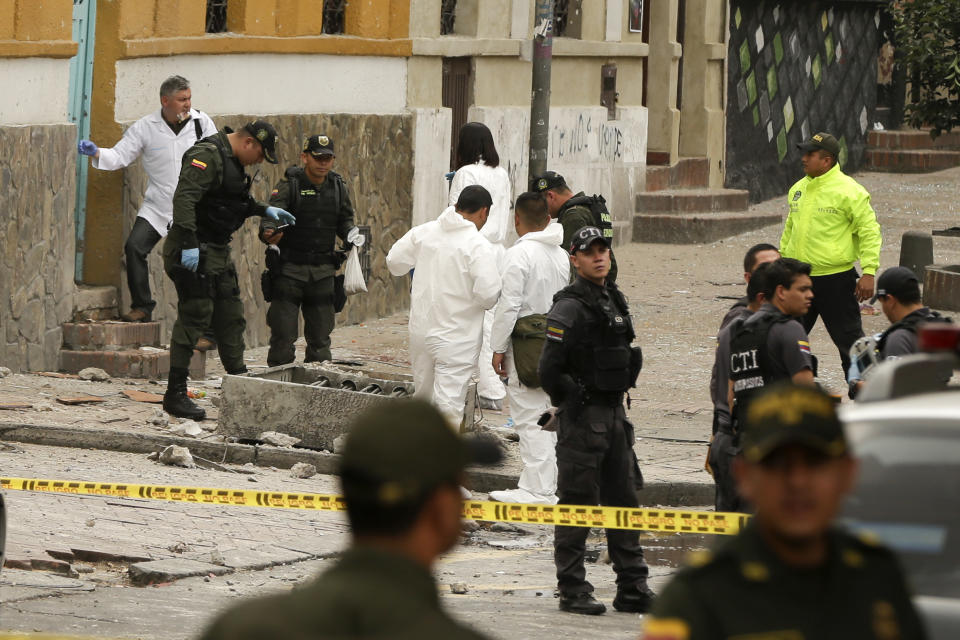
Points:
[(687, 173), (911, 161), (129, 363), (110, 336), (698, 228), (95, 303), (692, 200), (913, 139)]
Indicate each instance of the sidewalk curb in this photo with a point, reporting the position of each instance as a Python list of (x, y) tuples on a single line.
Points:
[(677, 494)]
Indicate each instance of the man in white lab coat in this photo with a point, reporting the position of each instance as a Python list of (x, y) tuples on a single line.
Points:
[(160, 138), (455, 280), (533, 270)]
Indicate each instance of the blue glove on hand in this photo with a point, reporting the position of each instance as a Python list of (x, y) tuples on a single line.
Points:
[(87, 148), (190, 258), (281, 216), (356, 238)]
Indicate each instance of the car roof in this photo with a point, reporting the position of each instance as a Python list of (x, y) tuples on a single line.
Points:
[(932, 408)]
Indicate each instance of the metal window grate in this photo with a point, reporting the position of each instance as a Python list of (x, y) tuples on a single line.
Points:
[(216, 16), (333, 15), (561, 17), (448, 16)]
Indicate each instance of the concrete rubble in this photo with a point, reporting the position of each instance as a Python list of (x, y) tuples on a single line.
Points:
[(278, 439), (177, 457), (94, 374), (303, 470)]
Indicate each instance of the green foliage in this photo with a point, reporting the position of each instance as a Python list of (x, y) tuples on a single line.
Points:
[(928, 37)]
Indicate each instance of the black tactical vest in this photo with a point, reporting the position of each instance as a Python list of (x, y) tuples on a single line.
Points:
[(602, 358), (750, 365), (598, 209), (317, 210), (910, 322), (223, 210)]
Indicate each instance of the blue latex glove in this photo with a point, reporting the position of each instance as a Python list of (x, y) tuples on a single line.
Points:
[(190, 258), (853, 374), (281, 216), (356, 238), (87, 148), (449, 176)]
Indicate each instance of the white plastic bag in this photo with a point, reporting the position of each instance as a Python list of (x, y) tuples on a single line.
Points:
[(353, 275)]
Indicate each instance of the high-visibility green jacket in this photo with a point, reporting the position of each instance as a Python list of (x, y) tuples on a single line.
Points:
[(831, 225)]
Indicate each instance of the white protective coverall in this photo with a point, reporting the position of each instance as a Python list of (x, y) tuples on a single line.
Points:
[(499, 230), (455, 280), (162, 150), (533, 270)]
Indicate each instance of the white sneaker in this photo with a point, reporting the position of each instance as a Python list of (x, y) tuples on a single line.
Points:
[(521, 496)]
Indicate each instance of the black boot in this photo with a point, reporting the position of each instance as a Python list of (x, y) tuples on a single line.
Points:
[(583, 603), (634, 599), (175, 400)]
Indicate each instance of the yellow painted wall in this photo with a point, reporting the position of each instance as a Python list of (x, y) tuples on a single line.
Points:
[(7, 19), (43, 20)]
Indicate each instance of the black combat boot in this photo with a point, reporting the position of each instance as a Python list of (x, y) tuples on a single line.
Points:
[(175, 400), (583, 603), (634, 599)]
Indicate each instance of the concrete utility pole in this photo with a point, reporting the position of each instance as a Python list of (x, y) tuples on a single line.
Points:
[(540, 99)]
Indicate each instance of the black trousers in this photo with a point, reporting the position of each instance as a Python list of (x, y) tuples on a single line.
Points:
[(835, 300), (596, 465), (143, 238), (314, 300), (723, 449)]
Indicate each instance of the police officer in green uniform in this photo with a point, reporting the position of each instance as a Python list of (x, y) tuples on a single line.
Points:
[(401, 472), (790, 573), (586, 366), (301, 260), (212, 201), (575, 211)]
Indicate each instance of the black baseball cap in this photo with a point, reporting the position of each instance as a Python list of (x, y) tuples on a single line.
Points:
[(473, 198), (896, 281), (585, 237), (547, 180), (318, 145), (822, 140), (266, 135), (785, 414), (399, 451)]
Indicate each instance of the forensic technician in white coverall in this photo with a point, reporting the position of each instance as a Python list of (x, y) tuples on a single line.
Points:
[(455, 280), (160, 138), (479, 163), (532, 271)]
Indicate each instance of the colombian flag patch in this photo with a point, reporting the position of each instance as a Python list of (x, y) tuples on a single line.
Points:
[(275, 192), (804, 346), (554, 333), (199, 165)]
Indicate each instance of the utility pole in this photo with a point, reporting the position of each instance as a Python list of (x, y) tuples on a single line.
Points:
[(540, 98)]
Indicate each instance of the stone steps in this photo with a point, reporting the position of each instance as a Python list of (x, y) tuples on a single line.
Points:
[(911, 160), (698, 228), (687, 173), (110, 336), (95, 303), (913, 139), (692, 200)]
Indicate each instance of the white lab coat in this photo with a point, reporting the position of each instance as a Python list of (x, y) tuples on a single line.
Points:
[(500, 231), (533, 270), (162, 151), (456, 279)]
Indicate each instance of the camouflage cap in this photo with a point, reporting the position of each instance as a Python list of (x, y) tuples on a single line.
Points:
[(787, 413), (266, 135)]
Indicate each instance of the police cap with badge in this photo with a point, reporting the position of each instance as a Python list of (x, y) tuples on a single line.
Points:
[(585, 237), (266, 135), (318, 146), (822, 141), (547, 180)]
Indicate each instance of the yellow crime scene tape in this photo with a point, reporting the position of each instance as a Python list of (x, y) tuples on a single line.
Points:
[(639, 519)]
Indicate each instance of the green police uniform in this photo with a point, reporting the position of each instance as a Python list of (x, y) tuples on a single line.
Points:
[(301, 275), (743, 590), (369, 593), (211, 202)]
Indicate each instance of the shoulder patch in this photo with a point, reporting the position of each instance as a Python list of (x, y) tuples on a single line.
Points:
[(804, 346), (555, 333), (198, 164), (275, 192), (665, 629)]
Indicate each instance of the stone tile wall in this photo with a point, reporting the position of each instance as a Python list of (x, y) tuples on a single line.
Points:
[(375, 157), (37, 194)]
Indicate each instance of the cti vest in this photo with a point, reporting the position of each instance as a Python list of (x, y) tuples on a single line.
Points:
[(597, 206), (750, 363), (223, 210), (910, 323), (313, 239), (603, 360)]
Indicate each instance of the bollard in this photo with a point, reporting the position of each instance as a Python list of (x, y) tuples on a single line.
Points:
[(916, 252)]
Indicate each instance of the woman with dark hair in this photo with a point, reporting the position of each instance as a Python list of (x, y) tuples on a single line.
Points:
[(479, 163)]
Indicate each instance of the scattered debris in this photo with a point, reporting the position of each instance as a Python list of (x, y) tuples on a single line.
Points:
[(14, 405), (81, 400), (43, 406), (142, 396), (506, 527), (4, 372), (93, 374), (54, 374), (339, 443), (159, 418), (177, 457), (217, 558), (153, 456), (203, 463), (278, 439), (186, 428), (458, 588), (179, 547), (469, 526), (303, 470), (90, 522)]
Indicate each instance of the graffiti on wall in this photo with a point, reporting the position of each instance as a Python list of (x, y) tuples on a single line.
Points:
[(796, 68), (586, 136)]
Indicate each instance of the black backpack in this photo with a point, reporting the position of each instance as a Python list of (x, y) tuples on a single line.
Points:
[(598, 207)]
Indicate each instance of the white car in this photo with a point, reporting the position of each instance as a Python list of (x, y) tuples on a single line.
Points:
[(907, 440)]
